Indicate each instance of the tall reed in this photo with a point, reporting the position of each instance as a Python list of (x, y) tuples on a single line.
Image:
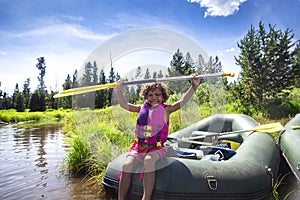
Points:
[(97, 138)]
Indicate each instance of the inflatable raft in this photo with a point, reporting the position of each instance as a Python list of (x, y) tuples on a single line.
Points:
[(289, 141), (195, 171)]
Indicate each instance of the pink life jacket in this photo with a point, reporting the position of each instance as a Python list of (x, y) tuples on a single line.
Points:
[(151, 127)]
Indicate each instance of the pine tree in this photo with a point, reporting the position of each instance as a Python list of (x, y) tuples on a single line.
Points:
[(111, 79), (267, 65), (95, 74), (86, 79), (66, 102), (200, 65), (68, 83), (26, 93), (7, 101), (160, 74), (178, 67), (85, 100), (296, 71), (138, 73), (75, 81), (34, 102), (41, 65), (101, 96), (147, 74), (189, 65), (14, 96), (154, 75), (20, 102)]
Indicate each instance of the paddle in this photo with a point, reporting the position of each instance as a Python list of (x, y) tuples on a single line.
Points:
[(295, 127), (267, 128), (190, 141), (81, 90)]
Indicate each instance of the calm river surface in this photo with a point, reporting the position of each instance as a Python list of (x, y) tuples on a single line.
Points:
[(31, 165)]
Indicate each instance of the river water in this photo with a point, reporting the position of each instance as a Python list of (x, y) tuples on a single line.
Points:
[(31, 166)]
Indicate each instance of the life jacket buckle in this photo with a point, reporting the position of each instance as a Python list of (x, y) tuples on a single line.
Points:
[(148, 134), (158, 144)]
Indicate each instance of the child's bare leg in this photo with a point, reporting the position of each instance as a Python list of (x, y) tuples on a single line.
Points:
[(125, 179), (149, 174)]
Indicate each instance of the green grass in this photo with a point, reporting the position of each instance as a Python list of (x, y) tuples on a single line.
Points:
[(96, 138), (12, 115)]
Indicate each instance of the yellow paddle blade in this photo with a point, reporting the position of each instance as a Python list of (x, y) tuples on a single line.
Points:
[(269, 128), (295, 127), (81, 90), (234, 145)]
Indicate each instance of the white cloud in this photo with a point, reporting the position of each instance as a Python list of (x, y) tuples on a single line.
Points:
[(125, 22), (219, 53), (64, 30), (73, 18), (65, 46), (219, 7), (230, 50)]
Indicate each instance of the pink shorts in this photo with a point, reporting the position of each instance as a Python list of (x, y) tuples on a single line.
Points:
[(139, 151)]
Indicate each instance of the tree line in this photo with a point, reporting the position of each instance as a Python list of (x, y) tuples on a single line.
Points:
[(38, 100), (269, 60)]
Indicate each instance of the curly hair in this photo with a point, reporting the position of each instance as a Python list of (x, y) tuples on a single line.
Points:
[(152, 86)]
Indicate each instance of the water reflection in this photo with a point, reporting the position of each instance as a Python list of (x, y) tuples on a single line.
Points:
[(31, 163)]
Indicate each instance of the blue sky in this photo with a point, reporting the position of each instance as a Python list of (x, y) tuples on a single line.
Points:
[(66, 32)]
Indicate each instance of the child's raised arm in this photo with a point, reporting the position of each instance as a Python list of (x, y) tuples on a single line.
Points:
[(123, 102), (188, 95)]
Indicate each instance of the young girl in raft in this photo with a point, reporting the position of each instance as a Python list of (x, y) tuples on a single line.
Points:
[(151, 133)]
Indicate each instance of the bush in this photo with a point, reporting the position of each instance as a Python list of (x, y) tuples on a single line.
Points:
[(97, 140)]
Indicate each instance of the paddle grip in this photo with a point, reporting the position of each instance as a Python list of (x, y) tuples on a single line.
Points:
[(231, 74)]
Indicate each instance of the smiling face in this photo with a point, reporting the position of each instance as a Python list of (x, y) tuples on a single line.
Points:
[(155, 92), (154, 97)]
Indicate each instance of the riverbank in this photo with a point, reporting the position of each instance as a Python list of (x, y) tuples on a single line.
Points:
[(46, 117)]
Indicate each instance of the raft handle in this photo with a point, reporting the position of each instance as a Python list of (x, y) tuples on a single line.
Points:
[(269, 170), (212, 182)]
